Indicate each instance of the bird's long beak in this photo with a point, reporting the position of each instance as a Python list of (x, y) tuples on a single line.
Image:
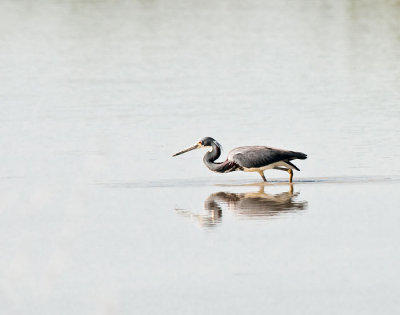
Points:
[(196, 146)]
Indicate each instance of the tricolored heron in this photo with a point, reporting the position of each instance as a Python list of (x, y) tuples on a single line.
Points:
[(247, 159)]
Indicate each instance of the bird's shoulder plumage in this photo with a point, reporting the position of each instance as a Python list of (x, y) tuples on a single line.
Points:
[(258, 156)]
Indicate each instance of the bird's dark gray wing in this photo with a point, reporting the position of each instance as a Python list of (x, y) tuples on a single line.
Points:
[(259, 156)]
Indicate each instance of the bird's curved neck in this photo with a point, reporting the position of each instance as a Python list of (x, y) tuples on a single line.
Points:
[(211, 156)]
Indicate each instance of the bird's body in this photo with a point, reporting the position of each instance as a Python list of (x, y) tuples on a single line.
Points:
[(248, 159)]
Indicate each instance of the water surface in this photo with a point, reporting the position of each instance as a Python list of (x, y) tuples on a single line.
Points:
[(98, 218)]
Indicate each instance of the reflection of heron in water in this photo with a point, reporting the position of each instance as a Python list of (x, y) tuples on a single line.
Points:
[(252, 205)]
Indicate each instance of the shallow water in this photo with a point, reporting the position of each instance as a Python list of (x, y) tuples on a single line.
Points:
[(98, 218)]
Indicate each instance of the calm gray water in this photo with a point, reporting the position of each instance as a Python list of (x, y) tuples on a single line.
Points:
[(96, 217)]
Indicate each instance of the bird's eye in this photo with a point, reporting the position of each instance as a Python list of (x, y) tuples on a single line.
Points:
[(200, 143)]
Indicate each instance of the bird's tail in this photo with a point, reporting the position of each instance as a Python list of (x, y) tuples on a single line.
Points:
[(299, 155), (296, 155)]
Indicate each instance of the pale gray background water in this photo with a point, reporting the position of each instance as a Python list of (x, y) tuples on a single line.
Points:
[(97, 218)]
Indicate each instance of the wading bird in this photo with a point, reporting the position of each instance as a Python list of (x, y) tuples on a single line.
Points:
[(247, 159)]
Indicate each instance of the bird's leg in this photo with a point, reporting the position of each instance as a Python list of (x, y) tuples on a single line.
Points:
[(290, 171), (262, 175)]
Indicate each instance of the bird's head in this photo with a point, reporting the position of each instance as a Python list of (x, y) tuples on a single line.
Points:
[(205, 142)]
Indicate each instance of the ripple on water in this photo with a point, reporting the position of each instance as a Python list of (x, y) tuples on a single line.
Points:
[(214, 182)]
